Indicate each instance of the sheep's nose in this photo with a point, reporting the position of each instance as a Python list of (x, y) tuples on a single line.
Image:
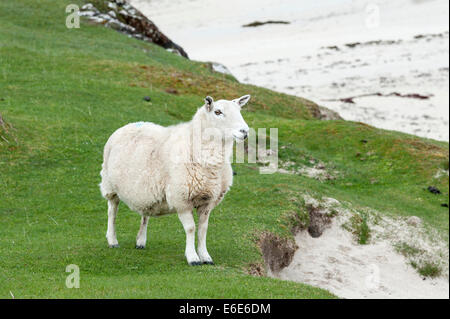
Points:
[(245, 132)]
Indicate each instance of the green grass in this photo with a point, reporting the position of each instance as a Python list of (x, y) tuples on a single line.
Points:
[(63, 92), (357, 225), (428, 269), (407, 250)]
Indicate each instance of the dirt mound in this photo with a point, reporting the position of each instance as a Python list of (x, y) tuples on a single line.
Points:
[(318, 221)]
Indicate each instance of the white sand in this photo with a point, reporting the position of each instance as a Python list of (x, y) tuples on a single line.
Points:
[(294, 58), (334, 261)]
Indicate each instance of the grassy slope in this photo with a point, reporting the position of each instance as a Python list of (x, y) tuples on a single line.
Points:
[(65, 91)]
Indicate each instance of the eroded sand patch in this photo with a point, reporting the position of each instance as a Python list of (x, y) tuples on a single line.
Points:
[(336, 262)]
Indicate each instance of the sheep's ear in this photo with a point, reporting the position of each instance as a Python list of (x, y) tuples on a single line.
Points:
[(242, 100), (209, 103)]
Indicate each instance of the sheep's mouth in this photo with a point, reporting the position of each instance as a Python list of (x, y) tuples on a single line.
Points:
[(239, 138)]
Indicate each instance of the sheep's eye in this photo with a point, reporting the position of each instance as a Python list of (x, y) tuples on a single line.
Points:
[(218, 112)]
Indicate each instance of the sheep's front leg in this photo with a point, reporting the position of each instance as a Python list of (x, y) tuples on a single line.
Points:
[(141, 238), (202, 230), (113, 205), (187, 219)]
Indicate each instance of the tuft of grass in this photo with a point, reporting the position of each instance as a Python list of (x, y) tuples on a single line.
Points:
[(358, 226), (333, 213), (407, 250), (364, 231), (302, 213), (427, 269)]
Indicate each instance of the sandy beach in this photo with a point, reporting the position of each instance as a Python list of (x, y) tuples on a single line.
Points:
[(384, 63)]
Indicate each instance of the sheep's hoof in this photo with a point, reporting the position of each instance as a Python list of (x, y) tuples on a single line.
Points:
[(114, 246), (195, 263), (208, 263), (140, 246)]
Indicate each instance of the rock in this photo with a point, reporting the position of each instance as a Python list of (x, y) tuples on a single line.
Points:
[(434, 190), (444, 205), (414, 221), (112, 5), (328, 115), (331, 201), (112, 14), (119, 26), (220, 68), (123, 17), (97, 19), (147, 98), (89, 6), (86, 13), (311, 201), (175, 51), (104, 16), (123, 13)]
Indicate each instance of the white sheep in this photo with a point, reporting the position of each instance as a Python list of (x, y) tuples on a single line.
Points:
[(160, 170)]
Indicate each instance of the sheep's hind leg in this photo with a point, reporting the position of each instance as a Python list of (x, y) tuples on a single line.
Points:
[(141, 238), (113, 204), (187, 219), (202, 229)]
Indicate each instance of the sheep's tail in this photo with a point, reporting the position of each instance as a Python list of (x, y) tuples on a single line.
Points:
[(105, 187)]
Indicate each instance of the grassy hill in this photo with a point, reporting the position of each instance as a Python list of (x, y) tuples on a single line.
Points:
[(64, 91)]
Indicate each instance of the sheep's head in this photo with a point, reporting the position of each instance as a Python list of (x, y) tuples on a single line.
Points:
[(226, 116)]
